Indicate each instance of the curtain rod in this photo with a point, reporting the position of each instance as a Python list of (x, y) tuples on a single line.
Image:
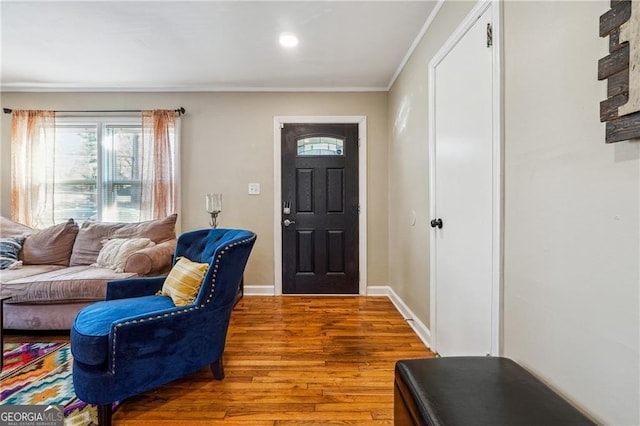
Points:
[(180, 110)]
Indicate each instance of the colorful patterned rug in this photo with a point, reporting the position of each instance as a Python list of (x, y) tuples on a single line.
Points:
[(40, 374)]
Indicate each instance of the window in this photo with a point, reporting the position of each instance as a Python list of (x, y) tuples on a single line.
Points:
[(103, 168), (320, 145), (97, 170)]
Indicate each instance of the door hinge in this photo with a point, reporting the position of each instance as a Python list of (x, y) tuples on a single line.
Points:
[(358, 142), (281, 125), (489, 35), (358, 208)]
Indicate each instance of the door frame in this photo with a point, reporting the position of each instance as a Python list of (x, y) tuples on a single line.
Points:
[(278, 122), (497, 174)]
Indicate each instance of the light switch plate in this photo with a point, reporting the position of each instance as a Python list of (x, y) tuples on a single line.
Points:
[(254, 189)]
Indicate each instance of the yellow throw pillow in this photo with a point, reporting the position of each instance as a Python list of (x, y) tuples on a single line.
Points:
[(184, 281)]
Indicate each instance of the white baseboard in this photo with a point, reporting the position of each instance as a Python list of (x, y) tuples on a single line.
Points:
[(378, 290), (259, 290), (418, 326)]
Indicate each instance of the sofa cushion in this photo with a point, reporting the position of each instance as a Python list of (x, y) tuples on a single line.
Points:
[(9, 228), (71, 284), (50, 246), (156, 230), (89, 240), (152, 261), (9, 249), (90, 331), (184, 281), (7, 275), (115, 252), (41, 317)]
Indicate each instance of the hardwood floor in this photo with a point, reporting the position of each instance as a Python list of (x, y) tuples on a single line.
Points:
[(292, 361)]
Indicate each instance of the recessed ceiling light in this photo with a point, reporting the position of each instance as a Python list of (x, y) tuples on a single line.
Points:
[(288, 40)]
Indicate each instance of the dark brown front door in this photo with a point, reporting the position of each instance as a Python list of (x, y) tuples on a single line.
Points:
[(320, 209)]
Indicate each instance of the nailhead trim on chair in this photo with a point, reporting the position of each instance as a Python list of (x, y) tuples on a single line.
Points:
[(181, 311)]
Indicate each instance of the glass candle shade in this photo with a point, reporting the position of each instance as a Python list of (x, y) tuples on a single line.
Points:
[(214, 203)]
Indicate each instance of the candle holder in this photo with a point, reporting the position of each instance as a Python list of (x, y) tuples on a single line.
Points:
[(214, 207)]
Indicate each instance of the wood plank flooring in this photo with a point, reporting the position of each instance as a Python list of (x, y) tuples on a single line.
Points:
[(292, 361)]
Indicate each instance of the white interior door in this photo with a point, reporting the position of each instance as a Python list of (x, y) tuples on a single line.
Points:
[(463, 194)]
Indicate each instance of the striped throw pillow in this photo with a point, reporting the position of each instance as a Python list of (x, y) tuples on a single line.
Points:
[(9, 249), (184, 281)]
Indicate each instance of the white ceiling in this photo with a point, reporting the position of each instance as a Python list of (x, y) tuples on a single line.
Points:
[(206, 45)]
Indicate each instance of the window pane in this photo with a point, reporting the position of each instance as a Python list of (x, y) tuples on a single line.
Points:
[(121, 189), (97, 172), (320, 145), (76, 173)]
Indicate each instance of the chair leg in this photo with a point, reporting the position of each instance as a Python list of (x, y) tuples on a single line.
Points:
[(217, 369), (104, 414)]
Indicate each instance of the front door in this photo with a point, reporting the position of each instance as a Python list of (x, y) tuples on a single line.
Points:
[(464, 219), (320, 209)]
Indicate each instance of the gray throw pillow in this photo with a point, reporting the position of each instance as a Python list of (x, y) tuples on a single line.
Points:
[(50, 246), (9, 249)]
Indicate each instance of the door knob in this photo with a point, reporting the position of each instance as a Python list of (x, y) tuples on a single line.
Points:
[(288, 222), (436, 223)]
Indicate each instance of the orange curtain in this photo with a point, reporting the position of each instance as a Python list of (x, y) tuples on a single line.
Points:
[(32, 167), (158, 197)]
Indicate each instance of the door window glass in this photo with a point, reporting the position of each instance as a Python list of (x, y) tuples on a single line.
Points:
[(320, 145)]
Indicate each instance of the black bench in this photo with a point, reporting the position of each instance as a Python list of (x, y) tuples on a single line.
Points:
[(455, 391)]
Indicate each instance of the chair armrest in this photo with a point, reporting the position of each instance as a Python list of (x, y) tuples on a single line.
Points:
[(134, 287), (176, 332), (152, 261)]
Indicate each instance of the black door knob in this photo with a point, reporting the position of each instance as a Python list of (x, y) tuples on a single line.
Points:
[(436, 222)]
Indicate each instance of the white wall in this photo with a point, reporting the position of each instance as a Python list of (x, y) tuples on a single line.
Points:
[(571, 209), (227, 142), (571, 277)]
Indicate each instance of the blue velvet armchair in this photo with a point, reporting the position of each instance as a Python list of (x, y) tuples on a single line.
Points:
[(136, 341)]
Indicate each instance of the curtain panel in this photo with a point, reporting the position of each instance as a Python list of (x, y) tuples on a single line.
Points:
[(158, 189), (32, 165)]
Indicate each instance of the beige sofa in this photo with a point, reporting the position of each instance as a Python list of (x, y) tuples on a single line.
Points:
[(60, 275)]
